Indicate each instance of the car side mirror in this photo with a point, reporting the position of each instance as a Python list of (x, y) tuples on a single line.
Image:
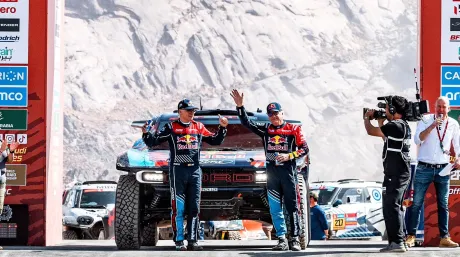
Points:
[(337, 203)]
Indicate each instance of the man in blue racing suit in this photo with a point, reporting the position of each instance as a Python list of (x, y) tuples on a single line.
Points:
[(185, 137), (279, 140)]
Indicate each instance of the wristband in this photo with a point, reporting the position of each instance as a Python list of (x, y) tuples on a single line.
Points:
[(295, 154), (291, 156)]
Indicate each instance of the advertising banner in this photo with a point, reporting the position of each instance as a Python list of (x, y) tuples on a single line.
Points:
[(14, 31)]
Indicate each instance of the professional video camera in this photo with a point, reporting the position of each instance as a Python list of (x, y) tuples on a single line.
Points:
[(413, 111)]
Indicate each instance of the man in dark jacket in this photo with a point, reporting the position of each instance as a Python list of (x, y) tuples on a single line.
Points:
[(185, 137), (280, 139)]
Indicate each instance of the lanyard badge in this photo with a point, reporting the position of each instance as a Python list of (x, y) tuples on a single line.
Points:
[(442, 138)]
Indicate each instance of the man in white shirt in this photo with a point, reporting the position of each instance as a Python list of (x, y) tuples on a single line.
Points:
[(435, 134)]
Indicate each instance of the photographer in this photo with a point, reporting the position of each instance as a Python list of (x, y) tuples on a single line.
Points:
[(396, 164), (435, 134)]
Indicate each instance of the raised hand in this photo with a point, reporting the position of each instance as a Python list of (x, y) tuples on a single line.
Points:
[(144, 128), (223, 121), (237, 97), (14, 146)]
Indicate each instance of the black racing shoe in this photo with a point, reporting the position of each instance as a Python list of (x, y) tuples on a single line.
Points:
[(180, 246), (282, 245), (193, 246), (294, 244)]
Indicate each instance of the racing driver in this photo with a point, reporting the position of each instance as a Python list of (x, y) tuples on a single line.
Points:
[(279, 139), (185, 137)]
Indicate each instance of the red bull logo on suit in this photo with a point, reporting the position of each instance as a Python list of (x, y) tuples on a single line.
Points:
[(277, 143), (187, 142)]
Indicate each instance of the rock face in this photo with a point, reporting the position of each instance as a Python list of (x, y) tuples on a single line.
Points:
[(323, 60)]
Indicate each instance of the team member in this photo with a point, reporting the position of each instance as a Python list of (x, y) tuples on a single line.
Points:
[(396, 167), (279, 140), (434, 134), (6, 155), (185, 137)]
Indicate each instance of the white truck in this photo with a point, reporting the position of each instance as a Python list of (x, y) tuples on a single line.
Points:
[(84, 207), (353, 208)]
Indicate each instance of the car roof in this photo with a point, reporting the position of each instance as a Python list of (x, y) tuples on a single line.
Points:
[(346, 183), (205, 116), (102, 184)]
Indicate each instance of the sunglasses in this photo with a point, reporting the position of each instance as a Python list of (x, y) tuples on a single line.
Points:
[(193, 110), (270, 114)]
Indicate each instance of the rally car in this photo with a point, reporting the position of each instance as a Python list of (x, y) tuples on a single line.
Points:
[(233, 182), (85, 207), (353, 208)]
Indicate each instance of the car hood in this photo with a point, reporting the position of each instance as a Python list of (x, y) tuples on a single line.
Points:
[(140, 157), (91, 211)]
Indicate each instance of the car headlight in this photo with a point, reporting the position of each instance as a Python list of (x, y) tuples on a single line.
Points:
[(69, 220), (261, 176), (85, 220), (154, 177)]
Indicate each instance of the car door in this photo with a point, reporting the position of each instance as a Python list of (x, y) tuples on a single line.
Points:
[(374, 213), (69, 202), (349, 216)]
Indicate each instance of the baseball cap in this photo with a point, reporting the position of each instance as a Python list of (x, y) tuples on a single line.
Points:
[(314, 195), (186, 104), (273, 107)]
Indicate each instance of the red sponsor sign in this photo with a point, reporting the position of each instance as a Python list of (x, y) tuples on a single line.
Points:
[(431, 216)]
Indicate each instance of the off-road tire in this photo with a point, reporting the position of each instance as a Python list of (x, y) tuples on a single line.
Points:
[(234, 235), (305, 234), (69, 235), (128, 213), (150, 234), (304, 208)]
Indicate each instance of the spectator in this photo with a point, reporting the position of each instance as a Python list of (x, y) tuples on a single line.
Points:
[(319, 227)]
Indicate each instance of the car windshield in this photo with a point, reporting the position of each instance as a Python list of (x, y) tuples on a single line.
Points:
[(325, 195), (96, 198), (238, 138)]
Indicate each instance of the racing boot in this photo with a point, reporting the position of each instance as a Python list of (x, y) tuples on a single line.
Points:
[(180, 246), (193, 246), (282, 245), (294, 244)]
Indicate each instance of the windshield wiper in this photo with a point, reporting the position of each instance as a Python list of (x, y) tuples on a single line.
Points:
[(92, 206)]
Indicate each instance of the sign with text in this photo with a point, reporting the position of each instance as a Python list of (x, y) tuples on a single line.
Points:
[(450, 84), (13, 86), (450, 31), (16, 174), (13, 119), (14, 32)]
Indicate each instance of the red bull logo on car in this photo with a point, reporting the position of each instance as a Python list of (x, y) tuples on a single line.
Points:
[(277, 143), (187, 142)]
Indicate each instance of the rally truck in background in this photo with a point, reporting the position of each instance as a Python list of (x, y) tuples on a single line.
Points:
[(84, 208), (233, 182)]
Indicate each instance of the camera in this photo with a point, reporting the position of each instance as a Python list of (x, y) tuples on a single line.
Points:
[(412, 112)]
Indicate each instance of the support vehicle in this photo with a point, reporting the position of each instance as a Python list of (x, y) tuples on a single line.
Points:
[(84, 207), (353, 208)]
